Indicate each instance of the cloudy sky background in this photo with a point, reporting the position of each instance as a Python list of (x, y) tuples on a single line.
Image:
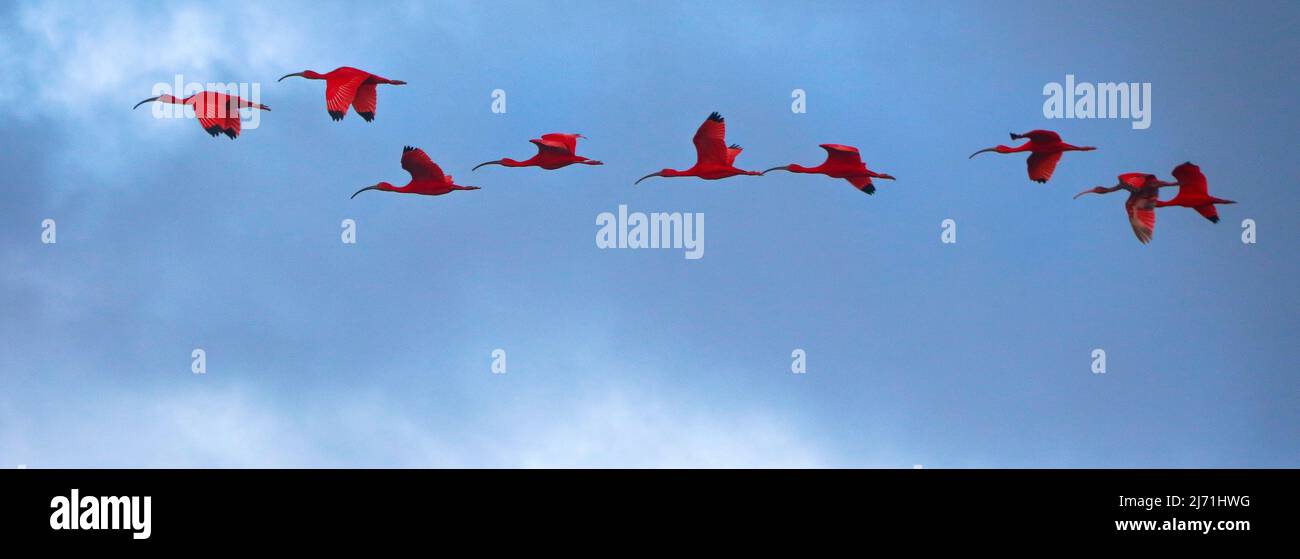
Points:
[(377, 355)]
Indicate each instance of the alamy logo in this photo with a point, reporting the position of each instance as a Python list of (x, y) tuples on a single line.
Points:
[(654, 230), (1100, 100), (173, 93), (101, 513)]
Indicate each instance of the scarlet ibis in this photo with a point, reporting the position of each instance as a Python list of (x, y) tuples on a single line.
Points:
[(426, 177), (553, 151), (713, 157), (842, 162), (346, 86), (1193, 192), (1142, 190), (217, 113), (1045, 147)]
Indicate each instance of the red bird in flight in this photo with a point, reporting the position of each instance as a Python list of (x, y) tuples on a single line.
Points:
[(1045, 147), (346, 86), (217, 113), (426, 177), (1193, 192), (1142, 190), (553, 152), (713, 157), (842, 162)]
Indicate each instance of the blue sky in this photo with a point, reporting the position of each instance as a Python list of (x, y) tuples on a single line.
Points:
[(974, 354)]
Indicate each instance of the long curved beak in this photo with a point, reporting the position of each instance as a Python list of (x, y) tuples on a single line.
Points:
[(289, 75), (656, 174), (1162, 184), (981, 151), (137, 105), (1089, 191), (497, 162), (354, 194), (783, 168)]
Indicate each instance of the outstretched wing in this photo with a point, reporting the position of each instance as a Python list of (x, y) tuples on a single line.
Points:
[(1209, 212), (230, 126), (1131, 181), (863, 183), (1141, 208), (418, 164), (365, 101), (842, 155), (1191, 184), (1042, 165), (733, 150), (550, 147), (341, 91), (1042, 136), (568, 141), (710, 141), (206, 112), (217, 113)]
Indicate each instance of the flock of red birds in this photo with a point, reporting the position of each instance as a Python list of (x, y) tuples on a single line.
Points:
[(218, 113), (1045, 148)]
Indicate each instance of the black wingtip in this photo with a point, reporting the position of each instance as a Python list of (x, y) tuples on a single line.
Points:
[(1214, 219), (735, 146), (369, 116), (407, 148), (869, 190), (213, 130), (715, 117), (336, 115), (1039, 181)]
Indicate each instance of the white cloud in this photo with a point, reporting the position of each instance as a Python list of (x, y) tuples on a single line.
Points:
[(614, 430), (234, 427), (78, 60)]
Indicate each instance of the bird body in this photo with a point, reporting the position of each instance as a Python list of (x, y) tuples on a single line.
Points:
[(554, 151), (217, 113), (427, 177), (714, 159), (347, 86), (1143, 189), (842, 162), (1193, 192), (1045, 148)]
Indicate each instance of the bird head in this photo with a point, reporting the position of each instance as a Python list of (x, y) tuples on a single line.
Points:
[(381, 186), (659, 173), (998, 148), (1095, 190), (504, 161), (309, 74), (164, 98), (792, 168)]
